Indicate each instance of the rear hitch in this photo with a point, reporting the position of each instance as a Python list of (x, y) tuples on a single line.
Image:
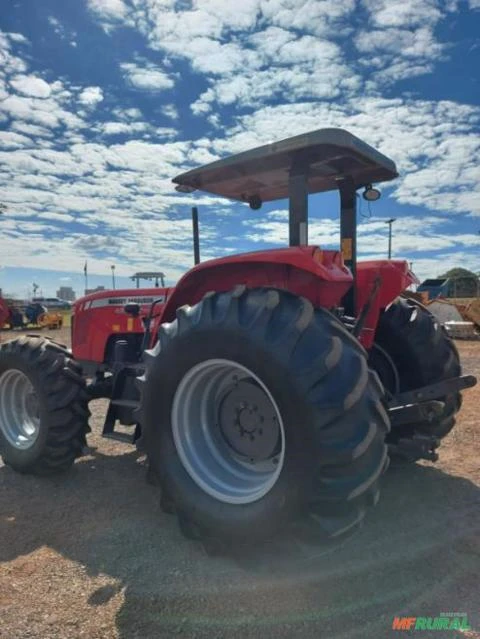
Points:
[(414, 448), (414, 413), (418, 446), (422, 405), (434, 391)]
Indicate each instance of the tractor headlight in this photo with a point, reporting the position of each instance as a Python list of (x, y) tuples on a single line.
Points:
[(371, 194)]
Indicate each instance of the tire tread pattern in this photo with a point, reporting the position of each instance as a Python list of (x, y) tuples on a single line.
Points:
[(328, 368), (62, 389), (424, 354)]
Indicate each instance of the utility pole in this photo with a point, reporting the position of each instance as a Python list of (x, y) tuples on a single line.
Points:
[(113, 276), (390, 222)]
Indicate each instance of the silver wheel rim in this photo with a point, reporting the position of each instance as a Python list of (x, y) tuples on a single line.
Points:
[(19, 409), (217, 451)]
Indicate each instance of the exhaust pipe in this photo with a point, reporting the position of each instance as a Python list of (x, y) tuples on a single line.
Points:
[(196, 238)]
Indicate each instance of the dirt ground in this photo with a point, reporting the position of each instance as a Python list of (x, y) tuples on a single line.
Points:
[(90, 554)]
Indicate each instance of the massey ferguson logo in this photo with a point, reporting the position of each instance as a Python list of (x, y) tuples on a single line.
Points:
[(115, 301), (121, 301)]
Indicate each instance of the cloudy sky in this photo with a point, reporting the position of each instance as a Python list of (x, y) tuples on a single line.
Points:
[(102, 102)]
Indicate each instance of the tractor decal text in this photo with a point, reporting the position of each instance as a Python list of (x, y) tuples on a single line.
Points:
[(446, 621), (121, 301)]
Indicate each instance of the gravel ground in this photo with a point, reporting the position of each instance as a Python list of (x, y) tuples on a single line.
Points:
[(90, 554)]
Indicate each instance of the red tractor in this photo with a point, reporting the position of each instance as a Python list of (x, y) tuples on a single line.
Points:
[(4, 312), (265, 388)]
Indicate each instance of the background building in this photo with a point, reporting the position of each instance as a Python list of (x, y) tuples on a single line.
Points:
[(66, 293), (94, 290)]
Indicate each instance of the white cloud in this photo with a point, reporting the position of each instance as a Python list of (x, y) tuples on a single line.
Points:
[(419, 43), (31, 86), (31, 129), (11, 140), (127, 114), (17, 37), (54, 23), (170, 111), (234, 16), (403, 13), (288, 84), (319, 18), (91, 96), (58, 217), (92, 243), (425, 267), (256, 64), (109, 10), (62, 32), (147, 78), (260, 51), (29, 110), (395, 71), (115, 128), (9, 63)]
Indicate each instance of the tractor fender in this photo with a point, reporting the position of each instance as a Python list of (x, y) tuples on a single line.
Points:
[(320, 276), (395, 276)]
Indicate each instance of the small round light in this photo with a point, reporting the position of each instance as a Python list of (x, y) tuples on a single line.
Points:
[(371, 194), (185, 188)]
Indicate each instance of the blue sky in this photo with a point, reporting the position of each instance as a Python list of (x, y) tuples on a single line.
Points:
[(102, 102)]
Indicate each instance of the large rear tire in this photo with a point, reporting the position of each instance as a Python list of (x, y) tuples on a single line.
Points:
[(43, 406), (288, 421), (418, 352)]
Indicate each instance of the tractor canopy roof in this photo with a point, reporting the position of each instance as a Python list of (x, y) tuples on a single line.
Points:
[(326, 157)]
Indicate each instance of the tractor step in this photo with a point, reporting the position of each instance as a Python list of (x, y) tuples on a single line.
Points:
[(124, 396), (126, 438)]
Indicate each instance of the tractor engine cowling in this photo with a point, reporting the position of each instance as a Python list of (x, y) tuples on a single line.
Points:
[(99, 320)]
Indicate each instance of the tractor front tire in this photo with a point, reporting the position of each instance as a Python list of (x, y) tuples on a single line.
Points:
[(419, 352), (43, 406), (259, 410)]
